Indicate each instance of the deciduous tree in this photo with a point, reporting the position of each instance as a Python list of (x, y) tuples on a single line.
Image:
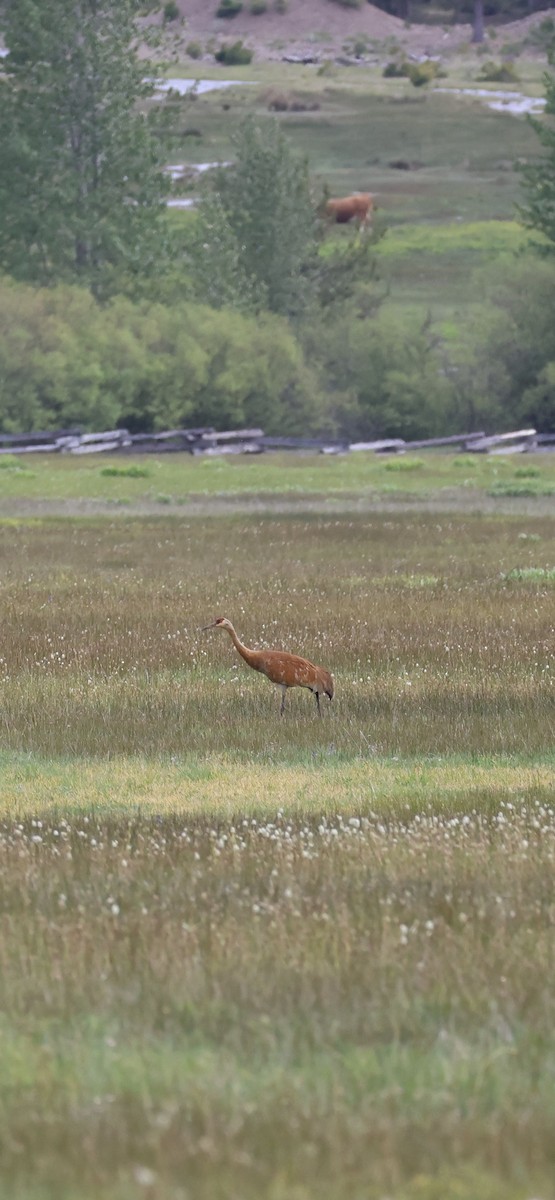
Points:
[(267, 224), (82, 193), (538, 212)]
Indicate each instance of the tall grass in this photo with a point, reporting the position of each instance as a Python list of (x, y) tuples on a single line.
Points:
[(247, 956), (439, 634), (279, 1007)]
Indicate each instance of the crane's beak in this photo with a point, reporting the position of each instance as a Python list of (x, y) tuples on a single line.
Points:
[(210, 626)]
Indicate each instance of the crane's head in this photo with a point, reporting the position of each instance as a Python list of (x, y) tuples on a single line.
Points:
[(219, 623)]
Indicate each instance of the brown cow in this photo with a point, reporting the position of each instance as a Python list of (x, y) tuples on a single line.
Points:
[(359, 206)]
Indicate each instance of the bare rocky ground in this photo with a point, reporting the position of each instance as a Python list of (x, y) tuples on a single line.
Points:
[(325, 29)]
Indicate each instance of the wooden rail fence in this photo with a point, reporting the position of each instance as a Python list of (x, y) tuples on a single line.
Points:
[(209, 441)]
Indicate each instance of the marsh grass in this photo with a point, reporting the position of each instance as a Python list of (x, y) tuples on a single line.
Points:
[(244, 956), (275, 1005), (433, 648)]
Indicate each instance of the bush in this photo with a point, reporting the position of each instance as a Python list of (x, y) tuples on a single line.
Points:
[(396, 69), (194, 49), (171, 11), (280, 6), (520, 489), (498, 73), (542, 36), (418, 73), (234, 54), (422, 73), (134, 471), (468, 461), (11, 462), (257, 7), (530, 575), (528, 473), (359, 47), (229, 8), (146, 366), (404, 464), (349, 3)]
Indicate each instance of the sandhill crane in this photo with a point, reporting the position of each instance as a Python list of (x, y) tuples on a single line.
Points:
[(287, 670)]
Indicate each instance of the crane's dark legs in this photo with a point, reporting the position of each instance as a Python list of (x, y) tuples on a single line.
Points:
[(317, 694), (282, 707)]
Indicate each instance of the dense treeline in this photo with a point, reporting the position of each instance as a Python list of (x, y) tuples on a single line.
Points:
[(65, 360)]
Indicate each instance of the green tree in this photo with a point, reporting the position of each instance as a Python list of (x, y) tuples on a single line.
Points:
[(538, 213), (82, 193), (385, 378), (501, 365), (266, 220), (220, 273)]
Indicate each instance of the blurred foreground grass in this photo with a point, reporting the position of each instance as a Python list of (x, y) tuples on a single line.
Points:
[(282, 1006)]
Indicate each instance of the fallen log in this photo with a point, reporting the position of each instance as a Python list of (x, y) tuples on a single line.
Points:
[(275, 442), (485, 445), (219, 437), (380, 447), (457, 439)]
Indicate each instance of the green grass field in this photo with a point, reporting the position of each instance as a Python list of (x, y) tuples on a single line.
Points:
[(30, 486), (247, 956)]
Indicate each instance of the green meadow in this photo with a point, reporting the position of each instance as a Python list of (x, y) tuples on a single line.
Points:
[(245, 955), (31, 485), (442, 167)]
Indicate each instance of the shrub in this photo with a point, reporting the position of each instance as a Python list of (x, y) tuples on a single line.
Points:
[(509, 488), (359, 47), (404, 464), (542, 36), (528, 473), (133, 471), (11, 462), (498, 73), (349, 3), (234, 54), (468, 461), (171, 11), (229, 8), (257, 7), (422, 73), (510, 50), (280, 6), (396, 69), (193, 49), (530, 575)]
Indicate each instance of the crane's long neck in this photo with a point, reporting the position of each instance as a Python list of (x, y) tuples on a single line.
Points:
[(248, 655)]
